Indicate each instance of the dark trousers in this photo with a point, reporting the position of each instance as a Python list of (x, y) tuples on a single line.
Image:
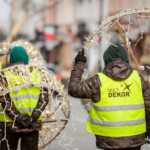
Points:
[(135, 148), (29, 141)]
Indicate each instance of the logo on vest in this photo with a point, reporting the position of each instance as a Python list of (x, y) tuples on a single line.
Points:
[(118, 92)]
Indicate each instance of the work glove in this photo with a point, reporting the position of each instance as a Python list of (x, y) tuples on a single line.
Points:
[(80, 58), (24, 121)]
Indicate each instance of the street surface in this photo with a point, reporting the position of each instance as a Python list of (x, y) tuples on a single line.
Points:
[(74, 136)]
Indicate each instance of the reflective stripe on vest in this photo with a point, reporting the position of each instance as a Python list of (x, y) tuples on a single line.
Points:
[(116, 123), (25, 96), (119, 107), (120, 111), (25, 100), (24, 110)]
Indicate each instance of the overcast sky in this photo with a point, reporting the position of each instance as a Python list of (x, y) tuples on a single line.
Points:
[(4, 10)]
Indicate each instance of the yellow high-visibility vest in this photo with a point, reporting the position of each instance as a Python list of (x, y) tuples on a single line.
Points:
[(1, 64), (120, 111), (26, 99)]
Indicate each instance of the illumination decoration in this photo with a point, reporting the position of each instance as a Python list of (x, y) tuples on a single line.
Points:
[(57, 112), (35, 58), (34, 55)]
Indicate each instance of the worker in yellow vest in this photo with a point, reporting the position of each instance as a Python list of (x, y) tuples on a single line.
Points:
[(120, 101), (21, 110)]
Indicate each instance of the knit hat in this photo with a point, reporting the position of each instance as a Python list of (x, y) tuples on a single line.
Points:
[(18, 54), (113, 52)]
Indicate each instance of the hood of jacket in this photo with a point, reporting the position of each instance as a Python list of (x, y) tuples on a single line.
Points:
[(118, 69)]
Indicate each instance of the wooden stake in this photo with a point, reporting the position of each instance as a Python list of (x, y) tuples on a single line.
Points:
[(17, 27), (125, 41)]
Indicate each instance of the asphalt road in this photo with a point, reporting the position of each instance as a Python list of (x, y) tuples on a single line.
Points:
[(74, 136)]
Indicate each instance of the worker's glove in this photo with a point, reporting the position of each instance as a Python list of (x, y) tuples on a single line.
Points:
[(24, 121), (80, 58)]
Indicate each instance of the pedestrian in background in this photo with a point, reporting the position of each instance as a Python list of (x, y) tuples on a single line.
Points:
[(120, 101), (23, 107)]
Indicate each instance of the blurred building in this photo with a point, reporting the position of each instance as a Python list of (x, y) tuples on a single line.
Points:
[(62, 13), (4, 19), (59, 27), (118, 5)]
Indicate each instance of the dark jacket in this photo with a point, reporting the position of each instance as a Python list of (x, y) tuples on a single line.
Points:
[(10, 110), (90, 88)]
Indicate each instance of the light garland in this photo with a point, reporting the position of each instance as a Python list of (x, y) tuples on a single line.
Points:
[(111, 19)]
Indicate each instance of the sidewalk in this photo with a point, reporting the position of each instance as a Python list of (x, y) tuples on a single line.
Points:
[(74, 136)]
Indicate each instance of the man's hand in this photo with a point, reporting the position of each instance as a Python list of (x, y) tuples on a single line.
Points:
[(24, 121), (80, 58)]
